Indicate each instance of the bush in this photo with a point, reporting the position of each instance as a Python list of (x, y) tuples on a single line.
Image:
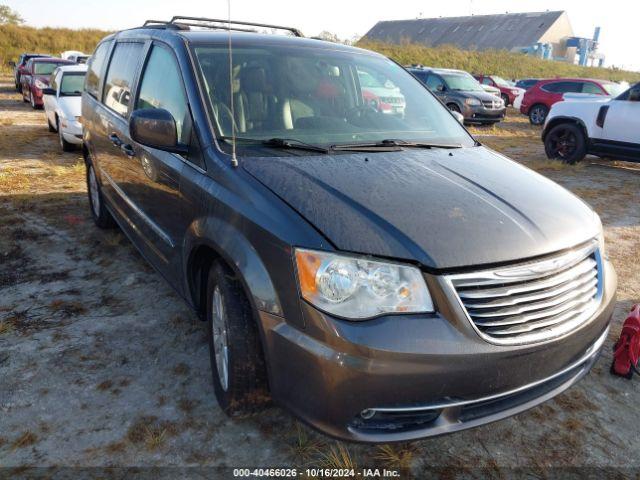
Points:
[(495, 62), (15, 39)]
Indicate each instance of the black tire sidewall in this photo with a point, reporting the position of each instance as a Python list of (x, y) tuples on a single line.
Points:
[(247, 390), (581, 143), (104, 220)]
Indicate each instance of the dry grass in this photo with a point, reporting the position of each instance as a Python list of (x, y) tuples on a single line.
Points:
[(304, 448), (339, 457), (26, 439), (6, 327), (395, 456)]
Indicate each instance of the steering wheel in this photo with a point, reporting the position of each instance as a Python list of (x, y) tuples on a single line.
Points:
[(362, 111)]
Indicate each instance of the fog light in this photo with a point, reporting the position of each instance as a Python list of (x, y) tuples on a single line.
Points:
[(367, 414)]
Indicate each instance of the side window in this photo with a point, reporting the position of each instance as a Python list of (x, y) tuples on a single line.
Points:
[(95, 67), (161, 87), (588, 87), (434, 82), (120, 75), (487, 81)]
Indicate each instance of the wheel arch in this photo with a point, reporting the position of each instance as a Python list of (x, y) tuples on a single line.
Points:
[(233, 249), (555, 121)]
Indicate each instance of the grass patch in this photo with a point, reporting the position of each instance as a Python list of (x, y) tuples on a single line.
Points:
[(339, 457), (25, 440)]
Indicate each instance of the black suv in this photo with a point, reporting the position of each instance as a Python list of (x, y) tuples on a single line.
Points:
[(462, 93), (19, 66), (384, 277)]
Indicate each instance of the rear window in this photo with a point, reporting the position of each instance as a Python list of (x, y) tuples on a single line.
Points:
[(122, 70), (44, 68), (94, 73), (71, 84), (563, 87)]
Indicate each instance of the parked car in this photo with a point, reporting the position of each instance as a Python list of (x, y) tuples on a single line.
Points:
[(537, 101), (527, 83), (383, 96), (383, 277), (19, 66), (62, 104), (607, 127), (462, 93), (36, 76), (508, 92), (75, 56)]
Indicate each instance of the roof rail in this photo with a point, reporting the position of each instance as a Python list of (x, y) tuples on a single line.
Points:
[(179, 22)]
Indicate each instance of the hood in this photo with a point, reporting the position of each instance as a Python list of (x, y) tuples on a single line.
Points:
[(71, 106), (484, 96), (586, 97), (441, 208)]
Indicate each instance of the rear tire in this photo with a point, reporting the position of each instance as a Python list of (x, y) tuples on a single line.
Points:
[(505, 99), (538, 114), (237, 362), (566, 142), (101, 216), (52, 129)]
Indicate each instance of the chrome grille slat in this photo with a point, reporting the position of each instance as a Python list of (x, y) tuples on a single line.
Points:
[(532, 301), (587, 266), (560, 300)]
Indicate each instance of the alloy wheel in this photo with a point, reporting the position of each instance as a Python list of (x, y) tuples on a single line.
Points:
[(538, 115), (220, 338), (563, 143)]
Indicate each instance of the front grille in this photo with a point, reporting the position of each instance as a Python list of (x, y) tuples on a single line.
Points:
[(534, 301), (492, 104)]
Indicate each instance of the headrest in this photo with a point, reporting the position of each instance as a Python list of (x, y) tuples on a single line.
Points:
[(253, 79)]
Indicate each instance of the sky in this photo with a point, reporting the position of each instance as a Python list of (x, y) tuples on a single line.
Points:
[(618, 18)]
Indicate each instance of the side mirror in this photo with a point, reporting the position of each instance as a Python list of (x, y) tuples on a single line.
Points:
[(155, 128), (48, 91), (459, 117)]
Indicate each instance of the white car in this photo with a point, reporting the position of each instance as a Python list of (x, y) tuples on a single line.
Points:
[(602, 126), (75, 56), (62, 104)]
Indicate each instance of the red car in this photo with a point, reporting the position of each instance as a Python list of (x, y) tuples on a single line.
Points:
[(35, 77), (508, 92), (537, 101)]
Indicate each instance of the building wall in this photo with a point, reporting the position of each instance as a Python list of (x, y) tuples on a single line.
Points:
[(557, 34)]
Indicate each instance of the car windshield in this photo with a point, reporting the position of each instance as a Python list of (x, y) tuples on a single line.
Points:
[(615, 89), (501, 81), (44, 68), (319, 96), (461, 81), (72, 84)]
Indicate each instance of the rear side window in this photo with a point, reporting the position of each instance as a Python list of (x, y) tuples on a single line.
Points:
[(433, 82), (563, 87), (95, 68), (588, 87), (122, 71), (161, 87)]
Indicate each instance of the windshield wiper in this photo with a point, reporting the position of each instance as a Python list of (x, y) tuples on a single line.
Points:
[(390, 145), (284, 143)]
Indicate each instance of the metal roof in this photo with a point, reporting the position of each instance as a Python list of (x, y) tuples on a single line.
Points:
[(506, 31)]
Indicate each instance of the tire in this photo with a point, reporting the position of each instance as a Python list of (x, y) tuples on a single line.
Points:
[(101, 216), (64, 145), (566, 142), (237, 362), (505, 99), (453, 107), (538, 114)]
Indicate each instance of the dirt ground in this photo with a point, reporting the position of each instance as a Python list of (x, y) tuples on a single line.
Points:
[(102, 365)]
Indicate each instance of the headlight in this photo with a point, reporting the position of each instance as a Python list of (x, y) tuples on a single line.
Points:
[(40, 84), (472, 101), (359, 288)]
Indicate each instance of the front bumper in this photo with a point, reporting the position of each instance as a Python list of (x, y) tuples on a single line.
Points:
[(419, 375), (483, 115), (71, 131)]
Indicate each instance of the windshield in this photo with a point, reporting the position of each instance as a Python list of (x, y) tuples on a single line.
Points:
[(614, 89), (44, 68), (320, 97), (501, 81), (72, 84), (461, 81)]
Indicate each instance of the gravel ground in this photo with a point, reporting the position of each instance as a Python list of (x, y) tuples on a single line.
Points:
[(102, 365)]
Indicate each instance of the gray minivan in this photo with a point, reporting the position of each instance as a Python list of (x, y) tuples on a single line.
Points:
[(383, 277)]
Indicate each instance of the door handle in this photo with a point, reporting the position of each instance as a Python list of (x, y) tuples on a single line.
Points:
[(115, 140), (128, 150)]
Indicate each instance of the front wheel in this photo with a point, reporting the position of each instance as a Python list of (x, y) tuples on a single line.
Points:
[(505, 99), (566, 142), (64, 145), (237, 361), (453, 107), (538, 114), (101, 216)]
